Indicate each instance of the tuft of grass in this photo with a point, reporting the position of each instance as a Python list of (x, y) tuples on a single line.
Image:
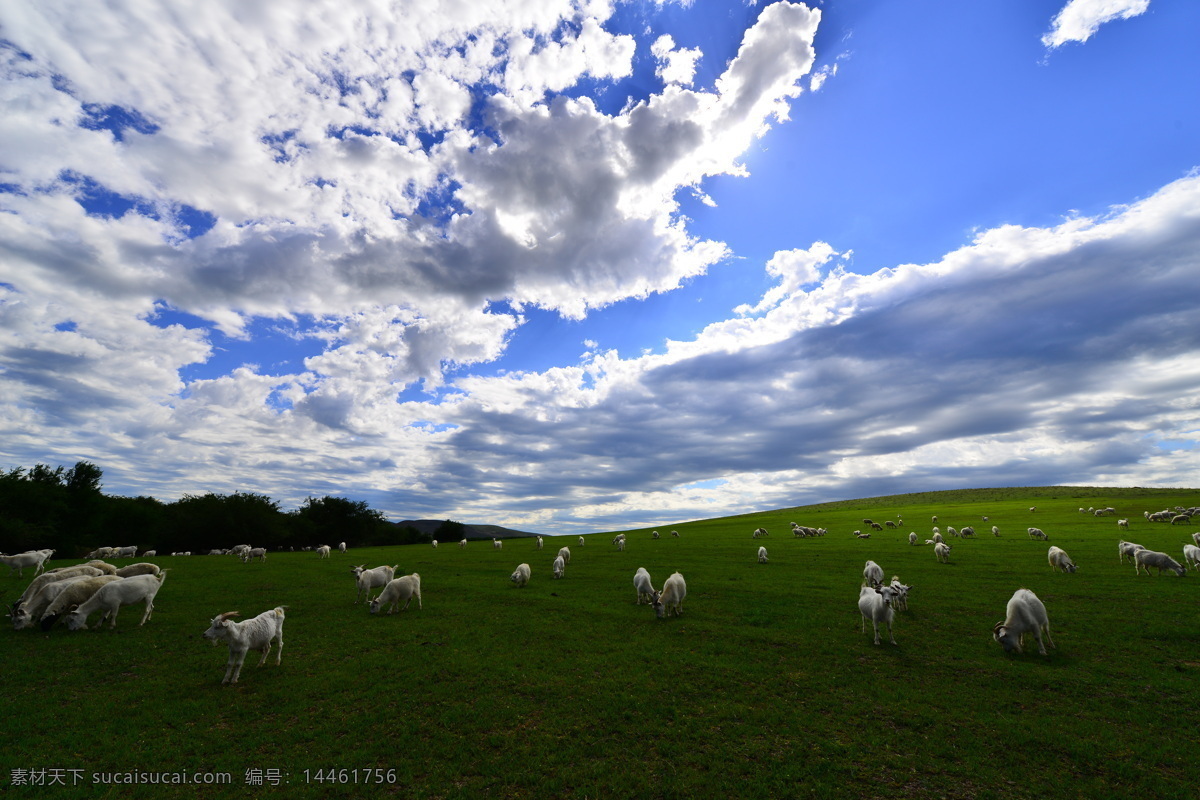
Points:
[(765, 687)]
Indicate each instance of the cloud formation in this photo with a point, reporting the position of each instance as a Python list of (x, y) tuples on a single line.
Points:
[(1078, 20)]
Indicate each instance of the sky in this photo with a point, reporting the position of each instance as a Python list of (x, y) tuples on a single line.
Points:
[(572, 266)]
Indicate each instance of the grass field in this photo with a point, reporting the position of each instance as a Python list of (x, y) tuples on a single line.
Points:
[(765, 687)]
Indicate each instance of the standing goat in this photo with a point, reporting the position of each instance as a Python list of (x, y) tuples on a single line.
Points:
[(1025, 614), (252, 634), (110, 597), (875, 604), (405, 588), (670, 599)]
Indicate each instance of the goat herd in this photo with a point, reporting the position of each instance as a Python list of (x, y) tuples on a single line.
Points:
[(76, 592)]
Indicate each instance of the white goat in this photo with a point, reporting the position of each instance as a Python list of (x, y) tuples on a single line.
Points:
[(560, 567), (462, 543), (912, 538), (762, 555), (1196, 538), (581, 540), (142, 568), (565, 554), (30, 558), (367, 579), (129, 551), (900, 599), (1126, 550), (323, 551), (621, 546), (937, 538), (111, 596), (1144, 559), (873, 573), (670, 599), (1123, 523), (1191, 555), (405, 588), (520, 575), (497, 544), (995, 530), (76, 592), (25, 614), (435, 544), (1059, 560), (875, 604), (641, 582), (1037, 533), (1024, 614), (342, 547), (941, 551), (252, 634), (62, 573), (540, 543), (255, 552)]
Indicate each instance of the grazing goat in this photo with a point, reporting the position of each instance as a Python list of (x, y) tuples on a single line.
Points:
[(1024, 614), (645, 589), (323, 551), (462, 543), (762, 555), (405, 588), (875, 604), (1191, 555), (76, 592), (252, 634), (912, 538), (1059, 560), (342, 547), (995, 530), (560, 567), (1144, 559), (967, 532), (1123, 523), (520, 575), (25, 614), (670, 599), (565, 554), (873, 573), (1037, 533), (143, 568), (1126, 550), (941, 551), (367, 579), (111, 596), (581, 540)]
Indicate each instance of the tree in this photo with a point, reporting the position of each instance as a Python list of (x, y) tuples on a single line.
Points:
[(329, 520)]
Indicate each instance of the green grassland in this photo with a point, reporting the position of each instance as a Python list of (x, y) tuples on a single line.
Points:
[(765, 687)]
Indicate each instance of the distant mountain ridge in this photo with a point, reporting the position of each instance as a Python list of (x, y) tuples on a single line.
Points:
[(428, 527)]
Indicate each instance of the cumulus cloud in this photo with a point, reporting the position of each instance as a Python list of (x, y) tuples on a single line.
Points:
[(1079, 19)]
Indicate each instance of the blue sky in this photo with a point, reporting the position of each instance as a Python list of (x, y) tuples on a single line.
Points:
[(575, 266)]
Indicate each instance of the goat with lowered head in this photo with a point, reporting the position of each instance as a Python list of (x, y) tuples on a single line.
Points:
[(641, 582), (368, 579), (1059, 560), (252, 634), (1025, 614), (1145, 559), (670, 599), (111, 596), (405, 588)]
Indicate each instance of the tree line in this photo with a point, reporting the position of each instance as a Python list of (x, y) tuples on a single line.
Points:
[(66, 509)]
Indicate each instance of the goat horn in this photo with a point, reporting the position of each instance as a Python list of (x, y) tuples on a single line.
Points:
[(996, 629), (229, 614)]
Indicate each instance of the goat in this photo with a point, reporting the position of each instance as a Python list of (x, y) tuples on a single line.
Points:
[(367, 579), (560, 567), (1024, 614), (76, 592), (670, 599), (323, 551), (643, 585), (1059, 560), (1037, 533), (565, 554), (875, 603), (143, 568), (873, 573), (403, 588), (1144, 559), (252, 634), (111, 596), (520, 575), (25, 614), (762, 555), (30, 558), (1191, 555), (941, 551), (900, 599), (912, 538), (1126, 550)]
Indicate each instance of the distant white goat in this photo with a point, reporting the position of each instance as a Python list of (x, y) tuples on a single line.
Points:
[(912, 538), (1191, 555), (520, 575), (540, 543), (560, 567), (1037, 533), (581, 541), (937, 538), (30, 558), (875, 604), (434, 543), (670, 599), (762, 555), (129, 551), (497, 544), (641, 582), (941, 551), (255, 552), (995, 531), (462, 543), (367, 579), (675, 534), (323, 551), (253, 634), (1025, 614), (143, 568), (111, 596), (967, 532), (405, 588), (758, 532), (1144, 559), (1059, 560), (342, 547), (873, 573), (1196, 538), (654, 535), (1123, 523), (565, 554), (621, 546)]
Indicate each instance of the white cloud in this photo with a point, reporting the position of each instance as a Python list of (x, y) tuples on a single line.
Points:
[(1079, 19), (674, 65)]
